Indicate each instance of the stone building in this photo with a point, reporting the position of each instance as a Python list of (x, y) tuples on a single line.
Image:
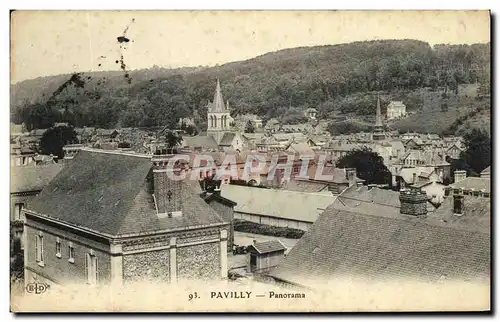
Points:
[(114, 218), (218, 118), (395, 110)]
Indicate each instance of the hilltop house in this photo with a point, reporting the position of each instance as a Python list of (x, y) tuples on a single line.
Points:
[(395, 110)]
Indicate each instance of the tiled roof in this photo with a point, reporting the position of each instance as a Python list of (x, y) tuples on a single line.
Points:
[(347, 243), (473, 183), (269, 246), (278, 203), (32, 178), (112, 193)]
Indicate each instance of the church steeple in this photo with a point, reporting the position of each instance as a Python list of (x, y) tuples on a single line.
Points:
[(378, 133), (218, 103), (378, 121)]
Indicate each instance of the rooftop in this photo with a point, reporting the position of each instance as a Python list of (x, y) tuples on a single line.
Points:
[(362, 238), (294, 205), (363, 235), (111, 193), (269, 246)]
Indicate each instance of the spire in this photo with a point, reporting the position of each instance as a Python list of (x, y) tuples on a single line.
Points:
[(378, 121), (218, 103)]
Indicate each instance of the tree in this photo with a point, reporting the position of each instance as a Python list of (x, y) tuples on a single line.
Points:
[(54, 139), (172, 139), (249, 128), (478, 153), (369, 165)]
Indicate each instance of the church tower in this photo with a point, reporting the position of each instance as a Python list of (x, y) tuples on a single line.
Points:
[(218, 117), (378, 131)]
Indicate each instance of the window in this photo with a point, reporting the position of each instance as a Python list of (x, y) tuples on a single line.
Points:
[(91, 268), (17, 211), (71, 253), (58, 248), (39, 249)]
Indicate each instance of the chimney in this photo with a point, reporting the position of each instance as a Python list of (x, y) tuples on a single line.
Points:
[(351, 176), (167, 192), (414, 178), (460, 175), (413, 202), (458, 205)]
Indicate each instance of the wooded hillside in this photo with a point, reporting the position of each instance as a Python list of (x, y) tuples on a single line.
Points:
[(337, 80)]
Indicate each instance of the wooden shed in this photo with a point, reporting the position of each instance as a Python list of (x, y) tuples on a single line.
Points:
[(265, 255)]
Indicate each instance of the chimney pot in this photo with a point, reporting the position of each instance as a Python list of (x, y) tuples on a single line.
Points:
[(460, 175)]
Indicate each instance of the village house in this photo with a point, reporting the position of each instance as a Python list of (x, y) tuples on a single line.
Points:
[(232, 141), (396, 110), (311, 113), (272, 126), (382, 235), (114, 218)]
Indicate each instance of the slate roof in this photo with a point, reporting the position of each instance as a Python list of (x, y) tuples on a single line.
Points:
[(227, 138), (206, 142), (269, 246), (32, 178), (111, 193), (473, 183), (278, 203), (361, 239)]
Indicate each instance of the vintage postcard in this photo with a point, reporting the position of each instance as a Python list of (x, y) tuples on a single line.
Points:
[(250, 161)]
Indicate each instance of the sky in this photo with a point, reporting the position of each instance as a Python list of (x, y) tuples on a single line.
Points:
[(47, 43)]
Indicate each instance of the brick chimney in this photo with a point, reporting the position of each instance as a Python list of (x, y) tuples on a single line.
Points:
[(460, 175), (458, 205), (413, 202), (167, 192), (414, 178), (351, 176)]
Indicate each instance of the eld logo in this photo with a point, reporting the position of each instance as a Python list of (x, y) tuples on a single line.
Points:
[(37, 288)]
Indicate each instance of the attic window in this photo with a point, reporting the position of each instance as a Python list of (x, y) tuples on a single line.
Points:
[(316, 250)]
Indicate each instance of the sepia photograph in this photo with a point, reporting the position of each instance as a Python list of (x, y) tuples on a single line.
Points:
[(250, 161)]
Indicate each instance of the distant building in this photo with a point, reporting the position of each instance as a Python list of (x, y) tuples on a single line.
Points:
[(113, 218), (311, 113), (396, 110)]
